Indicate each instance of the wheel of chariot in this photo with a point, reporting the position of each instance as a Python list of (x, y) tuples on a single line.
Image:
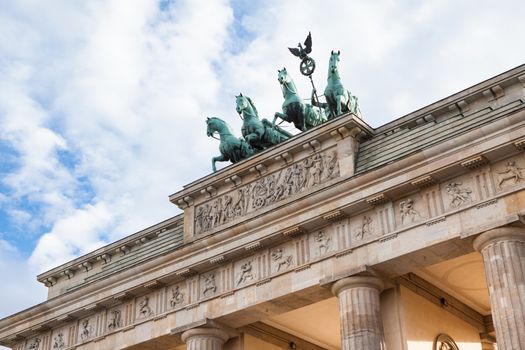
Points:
[(307, 66)]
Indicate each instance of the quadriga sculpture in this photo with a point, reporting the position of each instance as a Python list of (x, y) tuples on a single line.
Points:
[(338, 98), (232, 148), (302, 115), (259, 134)]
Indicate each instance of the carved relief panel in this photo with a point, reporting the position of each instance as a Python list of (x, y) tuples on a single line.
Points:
[(279, 185), (509, 173), (86, 329), (458, 192), (145, 306), (322, 242), (282, 258), (177, 295), (410, 210), (246, 271), (210, 284), (364, 226), (60, 338), (115, 318)]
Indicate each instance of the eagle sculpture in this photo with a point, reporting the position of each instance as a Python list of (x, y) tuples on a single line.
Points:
[(302, 52)]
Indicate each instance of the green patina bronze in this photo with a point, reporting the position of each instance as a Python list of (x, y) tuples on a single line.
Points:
[(259, 134), (232, 148), (338, 98), (302, 115)]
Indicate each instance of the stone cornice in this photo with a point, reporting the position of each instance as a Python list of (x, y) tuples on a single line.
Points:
[(459, 100), (104, 254)]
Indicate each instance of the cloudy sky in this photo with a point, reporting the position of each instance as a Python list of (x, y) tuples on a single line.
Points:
[(102, 102)]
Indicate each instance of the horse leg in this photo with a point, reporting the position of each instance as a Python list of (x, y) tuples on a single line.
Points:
[(339, 103), (279, 115), (220, 158)]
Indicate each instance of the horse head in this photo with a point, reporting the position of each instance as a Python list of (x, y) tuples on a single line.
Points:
[(283, 76), (334, 62), (241, 103), (215, 124)]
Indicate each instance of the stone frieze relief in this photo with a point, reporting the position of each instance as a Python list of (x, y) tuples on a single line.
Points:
[(270, 189)]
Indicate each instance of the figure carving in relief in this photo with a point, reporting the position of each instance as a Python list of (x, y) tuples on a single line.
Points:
[(86, 330), (366, 228), (408, 213), (323, 242), (459, 195), (281, 260), (209, 285), (511, 173), (331, 166), (246, 273), (58, 341), (115, 320), (315, 168), (35, 345), (144, 308), (241, 204), (176, 296), (266, 191)]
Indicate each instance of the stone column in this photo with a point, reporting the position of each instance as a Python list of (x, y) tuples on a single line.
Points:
[(204, 338), (503, 251), (361, 324)]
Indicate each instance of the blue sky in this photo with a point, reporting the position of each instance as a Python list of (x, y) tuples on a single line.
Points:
[(102, 103)]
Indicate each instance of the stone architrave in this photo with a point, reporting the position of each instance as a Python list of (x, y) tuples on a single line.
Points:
[(204, 338), (503, 251), (360, 314)]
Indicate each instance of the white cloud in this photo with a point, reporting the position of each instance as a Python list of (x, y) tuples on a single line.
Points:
[(20, 287)]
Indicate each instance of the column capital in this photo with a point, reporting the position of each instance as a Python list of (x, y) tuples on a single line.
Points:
[(358, 281), (205, 332), (505, 233)]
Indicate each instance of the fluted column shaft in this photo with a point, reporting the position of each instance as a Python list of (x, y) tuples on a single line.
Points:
[(503, 251), (204, 338), (359, 312)]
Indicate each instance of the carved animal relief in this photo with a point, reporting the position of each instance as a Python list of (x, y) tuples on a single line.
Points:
[(280, 260), (511, 175), (270, 189)]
